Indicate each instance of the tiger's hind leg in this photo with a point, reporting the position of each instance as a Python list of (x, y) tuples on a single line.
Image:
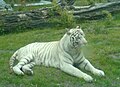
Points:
[(18, 68), (28, 68)]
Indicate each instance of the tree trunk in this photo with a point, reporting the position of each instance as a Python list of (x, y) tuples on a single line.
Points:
[(96, 11), (10, 22)]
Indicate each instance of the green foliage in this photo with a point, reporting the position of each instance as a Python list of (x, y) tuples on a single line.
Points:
[(100, 46), (108, 15), (61, 16), (103, 41), (66, 18), (109, 18), (1, 27), (18, 1), (100, 26), (89, 2)]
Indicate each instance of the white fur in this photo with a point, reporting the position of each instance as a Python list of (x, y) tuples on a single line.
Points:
[(59, 54)]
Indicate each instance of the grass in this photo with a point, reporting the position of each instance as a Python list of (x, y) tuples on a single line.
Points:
[(103, 41), (102, 50)]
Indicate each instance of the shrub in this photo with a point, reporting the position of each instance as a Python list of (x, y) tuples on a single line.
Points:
[(61, 16), (109, 18)]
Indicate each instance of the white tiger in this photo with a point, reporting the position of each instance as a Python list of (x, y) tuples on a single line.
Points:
[(64, 54)]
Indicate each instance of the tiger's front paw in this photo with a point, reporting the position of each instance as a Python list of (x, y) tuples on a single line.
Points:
[(17, 71), (27, 70), (99, 72), (88, 78)]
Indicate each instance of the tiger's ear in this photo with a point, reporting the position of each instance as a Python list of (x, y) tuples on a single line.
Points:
[(78, 27), (68, 31)]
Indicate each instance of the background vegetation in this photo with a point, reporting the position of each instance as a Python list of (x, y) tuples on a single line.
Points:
[(103, 50)]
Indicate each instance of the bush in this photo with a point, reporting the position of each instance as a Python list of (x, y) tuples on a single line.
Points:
[(61, 16), (109, 18)]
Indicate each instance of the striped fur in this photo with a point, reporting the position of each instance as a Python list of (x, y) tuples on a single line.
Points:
[(64, 54)]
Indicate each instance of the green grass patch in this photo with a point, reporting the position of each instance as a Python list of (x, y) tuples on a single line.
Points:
[(102, 42)]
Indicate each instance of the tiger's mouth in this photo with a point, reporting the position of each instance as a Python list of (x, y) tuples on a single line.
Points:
[(77, 44), (81, 43)]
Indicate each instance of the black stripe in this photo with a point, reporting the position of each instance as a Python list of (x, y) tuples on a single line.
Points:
[(78, 56), (77, 64), (21, 68), (85, 65), (81, 58), (22, 62), (81, 62), (27, 60), (30, 66), (68, 54)]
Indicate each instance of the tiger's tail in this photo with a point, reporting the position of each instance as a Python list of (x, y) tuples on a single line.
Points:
[(12, 61)]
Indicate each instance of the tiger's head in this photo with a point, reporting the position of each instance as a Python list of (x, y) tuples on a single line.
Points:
[(76, 36)]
